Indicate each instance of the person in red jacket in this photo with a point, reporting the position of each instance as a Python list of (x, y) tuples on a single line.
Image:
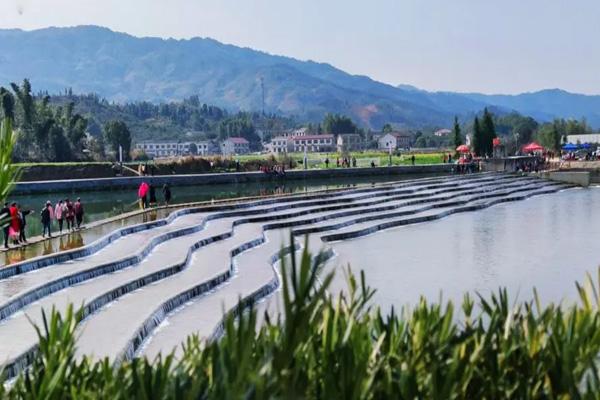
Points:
[(15, 223)]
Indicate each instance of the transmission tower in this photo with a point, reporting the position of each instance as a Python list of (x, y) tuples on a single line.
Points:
[(262, 88)]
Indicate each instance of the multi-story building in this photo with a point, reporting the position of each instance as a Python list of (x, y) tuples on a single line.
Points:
[(349, 142), (173, 148), (235, 145), (279, 144), (312, 143), (394, 140)]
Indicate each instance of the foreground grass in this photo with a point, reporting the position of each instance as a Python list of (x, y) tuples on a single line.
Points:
[(338, 347)]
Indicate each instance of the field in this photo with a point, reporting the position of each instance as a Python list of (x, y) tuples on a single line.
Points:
[(363, 159)]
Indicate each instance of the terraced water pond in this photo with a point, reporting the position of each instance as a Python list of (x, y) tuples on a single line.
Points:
[(105, 204), (146, 288)]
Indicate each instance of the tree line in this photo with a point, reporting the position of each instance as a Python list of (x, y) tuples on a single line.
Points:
[(56, 133)]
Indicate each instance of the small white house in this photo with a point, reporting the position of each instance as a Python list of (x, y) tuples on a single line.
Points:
[(442, 132), (394, 140), (349, 142)]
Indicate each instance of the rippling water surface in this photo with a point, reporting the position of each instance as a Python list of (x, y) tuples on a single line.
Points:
[(547, 241)]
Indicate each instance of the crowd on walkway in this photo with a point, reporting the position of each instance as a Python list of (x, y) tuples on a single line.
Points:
[(13, 219)]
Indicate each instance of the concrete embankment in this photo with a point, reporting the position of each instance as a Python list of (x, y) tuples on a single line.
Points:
[(580, 178), (92, 184)]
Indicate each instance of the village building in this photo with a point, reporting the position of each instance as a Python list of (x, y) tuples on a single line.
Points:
[(235, 145), (312, 143), (394, 140), (279, 144), (442, 132), (349, 142), (167, 148)]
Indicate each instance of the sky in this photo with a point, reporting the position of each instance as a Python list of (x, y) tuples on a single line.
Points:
[(508, 46)]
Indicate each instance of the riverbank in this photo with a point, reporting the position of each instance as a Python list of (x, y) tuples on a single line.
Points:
[(132, 182)]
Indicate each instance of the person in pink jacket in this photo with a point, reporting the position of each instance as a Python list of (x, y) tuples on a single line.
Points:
[(58, 214)]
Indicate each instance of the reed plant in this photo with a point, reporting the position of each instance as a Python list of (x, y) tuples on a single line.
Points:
[(326, 346)]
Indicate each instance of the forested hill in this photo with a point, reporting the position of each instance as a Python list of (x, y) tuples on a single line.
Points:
[(122, 68), (181, 120)]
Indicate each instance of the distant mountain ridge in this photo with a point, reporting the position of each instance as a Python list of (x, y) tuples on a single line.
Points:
[(122, 67)]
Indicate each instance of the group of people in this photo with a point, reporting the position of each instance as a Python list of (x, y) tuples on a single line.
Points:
[(277, 170), (529, 166), (147, 195), (13, 219), (343, 163)]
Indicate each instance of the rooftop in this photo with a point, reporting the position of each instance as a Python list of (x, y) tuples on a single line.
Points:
[(310, 137), (237, 140)]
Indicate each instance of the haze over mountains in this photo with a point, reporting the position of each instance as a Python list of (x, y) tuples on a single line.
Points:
[(122, 68)]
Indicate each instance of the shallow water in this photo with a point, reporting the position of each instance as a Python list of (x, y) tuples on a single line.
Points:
[(547, 242)]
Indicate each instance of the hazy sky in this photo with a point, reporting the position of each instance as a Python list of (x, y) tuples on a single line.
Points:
[(490, 46)]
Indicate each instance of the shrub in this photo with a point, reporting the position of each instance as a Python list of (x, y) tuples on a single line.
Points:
[(328, 347)]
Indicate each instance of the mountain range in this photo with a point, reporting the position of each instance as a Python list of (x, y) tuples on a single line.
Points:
[(122, 68)]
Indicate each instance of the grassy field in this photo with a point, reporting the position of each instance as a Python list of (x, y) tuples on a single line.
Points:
[(363, 159)]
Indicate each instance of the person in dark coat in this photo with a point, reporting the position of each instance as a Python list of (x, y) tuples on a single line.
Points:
[(152, 191), (23, 217), (46, 218), (166, 190), (5, 223)]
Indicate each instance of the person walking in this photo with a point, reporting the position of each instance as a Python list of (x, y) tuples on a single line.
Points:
[(5, 223), (59, 214), (15, 223), (143, 195), (412, 159), (69, 215), (23, 219), (166, 190), (46, 217), (152, 192), (78, 211)]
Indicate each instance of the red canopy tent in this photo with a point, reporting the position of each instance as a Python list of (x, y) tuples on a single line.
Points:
[(532, 147), (463, 148), (496, 142)]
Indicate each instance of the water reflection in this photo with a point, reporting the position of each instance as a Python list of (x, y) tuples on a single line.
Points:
[(547, 242)]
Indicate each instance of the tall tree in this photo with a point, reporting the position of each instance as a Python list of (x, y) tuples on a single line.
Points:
[(335, 124), (117, 134), (488, 133), (477, 139), (387, 128), (456, 133)]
